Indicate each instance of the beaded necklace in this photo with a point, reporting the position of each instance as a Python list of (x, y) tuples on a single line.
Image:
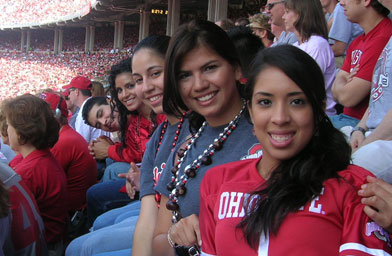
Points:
[(177, 184), (175, 140), (165, 124)]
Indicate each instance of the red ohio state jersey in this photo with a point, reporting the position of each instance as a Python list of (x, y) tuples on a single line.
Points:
[(331, 224)]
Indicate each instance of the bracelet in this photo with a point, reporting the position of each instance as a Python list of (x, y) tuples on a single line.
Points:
[(358, 129), (172, 244)]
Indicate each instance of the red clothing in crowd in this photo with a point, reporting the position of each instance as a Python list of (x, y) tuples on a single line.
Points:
[(136, 137), (46, 180), (364, 51), (331, 224), (71, 151), (16, 160)]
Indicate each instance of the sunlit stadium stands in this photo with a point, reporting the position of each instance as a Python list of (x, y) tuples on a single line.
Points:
[(19, 13)]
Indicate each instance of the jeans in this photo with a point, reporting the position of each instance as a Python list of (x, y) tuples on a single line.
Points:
[(341, 120), (103, 197), (112, 171), (126, 252), (116, 215), (108, 239)]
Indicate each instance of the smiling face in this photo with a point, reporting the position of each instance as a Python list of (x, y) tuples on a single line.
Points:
[(126, 93), (282, 116), (207, 84), (290, 18), (100, 117), (147, 69)]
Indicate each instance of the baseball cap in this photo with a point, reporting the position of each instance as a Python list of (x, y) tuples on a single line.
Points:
[(53, 100), (79, 82)]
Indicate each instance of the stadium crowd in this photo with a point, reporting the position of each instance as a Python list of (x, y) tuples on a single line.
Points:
[(225, 139), (29, 12), (30, 72)]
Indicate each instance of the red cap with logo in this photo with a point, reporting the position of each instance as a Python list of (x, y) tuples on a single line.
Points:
[(79, 82)]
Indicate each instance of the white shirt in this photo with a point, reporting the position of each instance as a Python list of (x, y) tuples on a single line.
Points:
[(88, 132)]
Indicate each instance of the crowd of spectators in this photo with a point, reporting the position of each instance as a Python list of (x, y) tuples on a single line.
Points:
[(29, 12), (30, 72), (291, 93)]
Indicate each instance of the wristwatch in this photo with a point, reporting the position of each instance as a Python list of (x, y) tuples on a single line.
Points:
[(358, 129)]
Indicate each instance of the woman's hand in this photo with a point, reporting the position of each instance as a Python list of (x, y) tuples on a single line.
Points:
[(132, 180), (377, 198), (186, 232)]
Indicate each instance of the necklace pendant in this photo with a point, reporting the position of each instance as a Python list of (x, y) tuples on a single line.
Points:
[(206, 160), (172, 206)]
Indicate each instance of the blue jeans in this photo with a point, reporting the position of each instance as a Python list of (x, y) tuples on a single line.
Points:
[(126, 252), (113, 170), (116, 215), (342, 120), (103, 197), (108, 239)]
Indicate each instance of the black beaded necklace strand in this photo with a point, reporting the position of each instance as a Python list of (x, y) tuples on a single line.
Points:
[(177, 184)]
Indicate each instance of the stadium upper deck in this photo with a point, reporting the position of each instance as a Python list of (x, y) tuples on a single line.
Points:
[(26, 13)]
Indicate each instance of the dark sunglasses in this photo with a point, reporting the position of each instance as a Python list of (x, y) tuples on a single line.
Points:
[(271, 5)]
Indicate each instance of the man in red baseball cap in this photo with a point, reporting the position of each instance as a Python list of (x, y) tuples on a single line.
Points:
[(72, 108), (79, 90)]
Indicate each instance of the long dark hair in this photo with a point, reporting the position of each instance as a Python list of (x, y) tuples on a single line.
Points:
[(186, 38), (297, 180), (124, 66)]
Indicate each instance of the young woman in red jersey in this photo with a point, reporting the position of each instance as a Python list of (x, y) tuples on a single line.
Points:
[(300, 197)]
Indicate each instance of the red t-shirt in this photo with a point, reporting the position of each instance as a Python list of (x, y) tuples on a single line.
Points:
[(71, 151), (46, 180), (365, 50), (331, 224), (136, 137)]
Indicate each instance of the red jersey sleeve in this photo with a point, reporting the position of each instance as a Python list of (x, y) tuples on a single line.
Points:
[(206, 218), (361, 235)]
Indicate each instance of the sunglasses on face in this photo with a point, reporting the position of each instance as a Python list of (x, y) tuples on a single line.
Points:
[(271, 5)]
